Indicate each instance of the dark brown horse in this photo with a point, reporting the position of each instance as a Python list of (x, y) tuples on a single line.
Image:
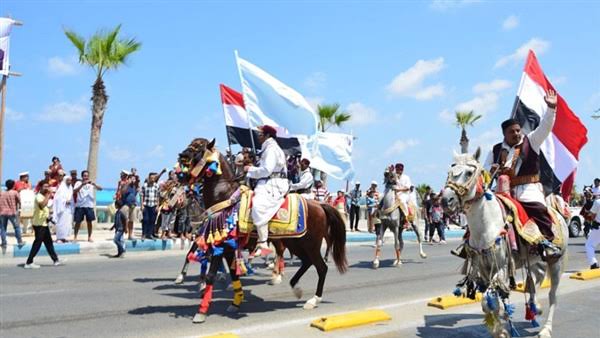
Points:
[(197, 163)]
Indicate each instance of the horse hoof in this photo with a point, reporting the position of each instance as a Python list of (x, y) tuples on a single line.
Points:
[(376, 264), (423, 255), (233, 309), (312, 303), (179, 279), (201, 286), (297, 292), (275, 280), (271, 266), (199, 318)]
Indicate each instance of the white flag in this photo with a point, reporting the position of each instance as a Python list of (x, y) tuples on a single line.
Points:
[(5, 27), (332, 154), (270, 101)]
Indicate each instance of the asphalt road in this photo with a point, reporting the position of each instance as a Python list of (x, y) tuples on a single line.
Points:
[(93, 296)]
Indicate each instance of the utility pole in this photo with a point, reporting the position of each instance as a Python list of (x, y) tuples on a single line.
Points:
[(3, 105)]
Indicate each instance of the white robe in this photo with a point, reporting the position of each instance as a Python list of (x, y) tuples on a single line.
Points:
[(269, 192), (306, 182), (62, 209)]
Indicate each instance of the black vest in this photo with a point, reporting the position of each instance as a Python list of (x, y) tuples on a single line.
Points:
[(530, 160)]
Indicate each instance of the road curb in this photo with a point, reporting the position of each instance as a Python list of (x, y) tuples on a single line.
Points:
[(444, 302), (521, 285), (407, 235), (586, 274), (222, 335), (350, 319), (75, 248)]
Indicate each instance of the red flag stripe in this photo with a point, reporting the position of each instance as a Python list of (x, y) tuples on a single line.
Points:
[(230, 96), (567, 128)]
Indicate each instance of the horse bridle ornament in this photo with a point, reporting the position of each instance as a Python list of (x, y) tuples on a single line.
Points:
[(462, 189)]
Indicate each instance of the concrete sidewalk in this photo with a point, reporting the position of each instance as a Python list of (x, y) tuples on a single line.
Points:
[(103, 241)]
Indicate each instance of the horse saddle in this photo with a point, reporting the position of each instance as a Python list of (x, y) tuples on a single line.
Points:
[(524, 226), (288, 222)]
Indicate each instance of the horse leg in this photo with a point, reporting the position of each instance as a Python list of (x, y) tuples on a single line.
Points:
[(183, 273), (278, 265), (200, 317), (398, 243), (554, 270), (378, 244), (322, 268), (305, 265), (238, 292), (415, 228)]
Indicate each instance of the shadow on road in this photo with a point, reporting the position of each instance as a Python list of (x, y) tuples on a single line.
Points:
[(383, 263), (445, 326)]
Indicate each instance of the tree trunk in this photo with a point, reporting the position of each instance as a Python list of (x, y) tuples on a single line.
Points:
[(99, 100), (464, 142)]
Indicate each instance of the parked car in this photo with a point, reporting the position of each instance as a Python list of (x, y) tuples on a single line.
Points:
[(575, 223)]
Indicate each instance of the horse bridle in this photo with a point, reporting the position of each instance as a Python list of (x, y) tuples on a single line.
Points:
[(462, 189)]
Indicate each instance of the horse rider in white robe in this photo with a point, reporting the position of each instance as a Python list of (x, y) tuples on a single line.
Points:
[(271, 187), (402, 188), (304, 186)]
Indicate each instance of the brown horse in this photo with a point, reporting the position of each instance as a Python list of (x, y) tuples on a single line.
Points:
[(197, 163)]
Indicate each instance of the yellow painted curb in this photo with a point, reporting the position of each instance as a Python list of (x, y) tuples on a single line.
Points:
[(521, 285), (444, 302), (223, 335), (586, 274), (350, 319)]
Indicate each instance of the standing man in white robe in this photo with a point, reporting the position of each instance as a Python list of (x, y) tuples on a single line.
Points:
[(63, 207), (271, 188)]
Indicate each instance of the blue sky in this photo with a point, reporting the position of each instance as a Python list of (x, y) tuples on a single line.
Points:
[(401, 69)]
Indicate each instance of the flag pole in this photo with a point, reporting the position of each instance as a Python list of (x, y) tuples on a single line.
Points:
[(237, 61), (3, 104)]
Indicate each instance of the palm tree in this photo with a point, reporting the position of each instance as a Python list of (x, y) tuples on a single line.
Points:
[(104, 51), (330, 115), (464, 119)]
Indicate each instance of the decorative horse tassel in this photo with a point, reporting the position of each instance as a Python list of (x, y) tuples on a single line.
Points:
[(206, 299), (209, 240), (489, 321), (457, 292), (491, 300)]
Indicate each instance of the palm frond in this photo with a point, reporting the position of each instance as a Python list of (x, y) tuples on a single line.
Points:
[(79, 43)]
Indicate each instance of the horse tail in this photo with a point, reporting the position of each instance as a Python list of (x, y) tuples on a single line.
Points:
[(337, 236)]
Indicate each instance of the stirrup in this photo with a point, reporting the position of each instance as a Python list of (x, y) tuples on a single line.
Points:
[(261, 251)]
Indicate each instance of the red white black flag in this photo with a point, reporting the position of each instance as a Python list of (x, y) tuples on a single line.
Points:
[(560, 151)]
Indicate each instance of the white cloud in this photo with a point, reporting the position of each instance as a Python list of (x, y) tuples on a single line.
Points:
[(482, 104), (316, 80), (315, 101), (510, 23), (66, 112), (410, 82), (400, 146), (447, 116), (157, 152), (12, 115), (442, 5), (63, 66), (361, 114), (539, 46), (493, 86), (118, 153), (557, 80)]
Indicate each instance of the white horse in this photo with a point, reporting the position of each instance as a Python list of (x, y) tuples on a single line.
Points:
[(490, 252), (392, 218)]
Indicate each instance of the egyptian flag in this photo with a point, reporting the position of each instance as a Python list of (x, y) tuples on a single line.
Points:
[(559, 154), (238, 128)]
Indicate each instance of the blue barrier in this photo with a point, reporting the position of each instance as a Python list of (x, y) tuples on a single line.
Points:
[(60, 248), (407, 235)]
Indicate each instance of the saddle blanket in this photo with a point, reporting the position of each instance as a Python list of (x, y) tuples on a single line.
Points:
[(525, 226), (289, 221)]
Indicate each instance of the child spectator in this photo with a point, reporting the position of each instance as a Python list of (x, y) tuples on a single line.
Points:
[(119, 226)]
